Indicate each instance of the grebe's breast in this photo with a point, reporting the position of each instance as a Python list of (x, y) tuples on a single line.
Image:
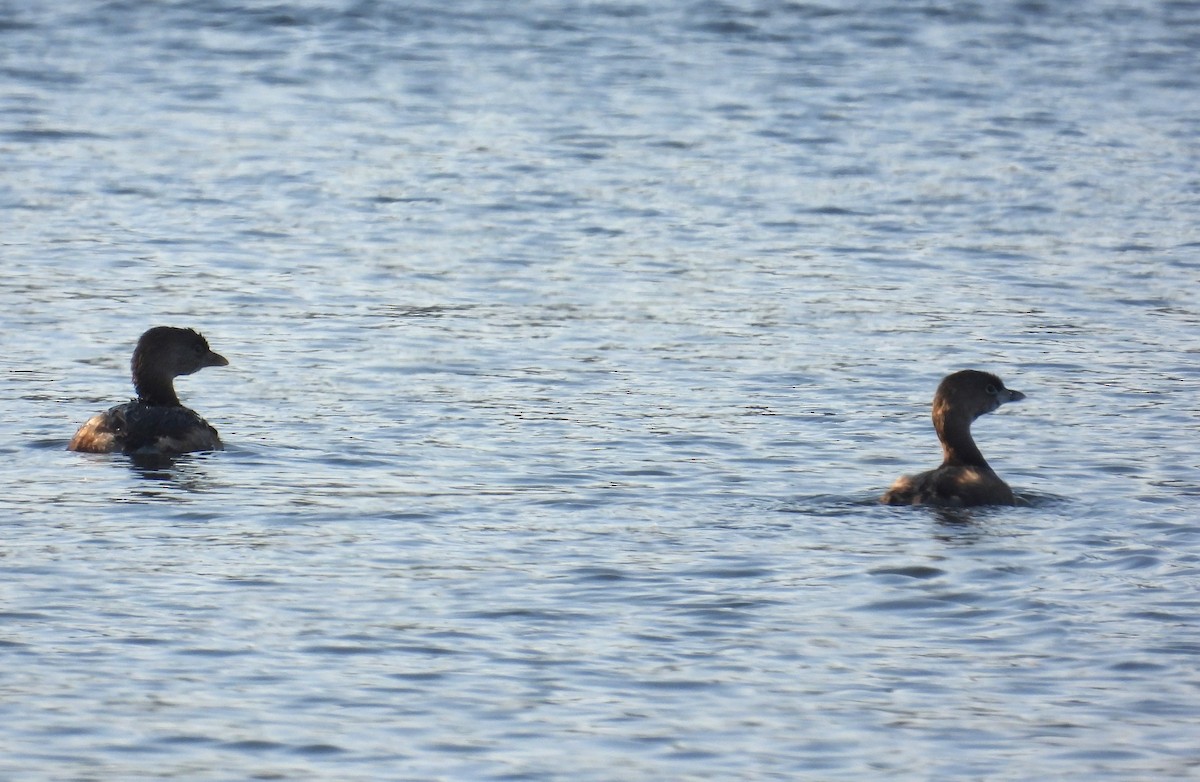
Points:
[(951, 485), (136, 427)]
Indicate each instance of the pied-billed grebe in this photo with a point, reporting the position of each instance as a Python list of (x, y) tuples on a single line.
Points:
[(155, 423), (964, 477)]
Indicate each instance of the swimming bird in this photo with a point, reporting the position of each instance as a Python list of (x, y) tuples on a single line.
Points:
[(964, 478), (156, 424)]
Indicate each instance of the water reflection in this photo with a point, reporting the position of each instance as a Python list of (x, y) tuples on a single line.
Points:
[(186, 473)]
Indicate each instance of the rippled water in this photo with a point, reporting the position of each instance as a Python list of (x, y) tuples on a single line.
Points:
[(570, 344)]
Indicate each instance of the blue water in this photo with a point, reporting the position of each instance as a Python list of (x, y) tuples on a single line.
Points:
[(569, 346)]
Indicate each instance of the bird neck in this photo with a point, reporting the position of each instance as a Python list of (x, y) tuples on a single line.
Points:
[(156, 390), (958, 447)]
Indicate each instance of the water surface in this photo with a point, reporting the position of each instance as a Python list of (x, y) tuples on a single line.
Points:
[(569, 346)]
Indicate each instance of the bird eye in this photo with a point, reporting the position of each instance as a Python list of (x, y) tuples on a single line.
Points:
[(991, 389)]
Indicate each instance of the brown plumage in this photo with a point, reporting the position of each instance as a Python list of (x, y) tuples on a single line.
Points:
[(965, 478), (155, 424)]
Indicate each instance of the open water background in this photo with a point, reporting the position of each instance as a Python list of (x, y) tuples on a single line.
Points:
[(569, 344)]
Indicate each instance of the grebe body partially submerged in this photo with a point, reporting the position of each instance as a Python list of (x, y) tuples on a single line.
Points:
[(156, 424), (965, 478)]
